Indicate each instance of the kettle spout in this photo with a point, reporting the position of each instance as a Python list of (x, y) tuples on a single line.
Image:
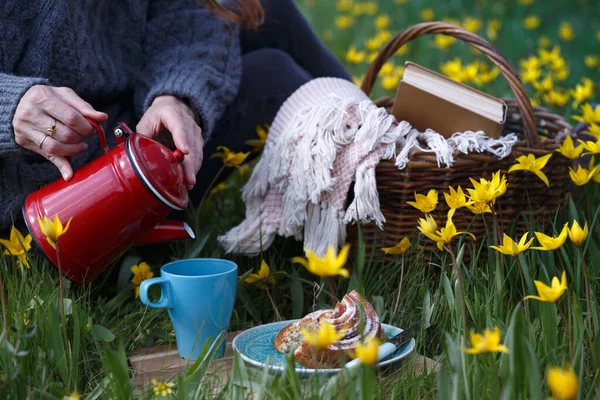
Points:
[(166, 231)]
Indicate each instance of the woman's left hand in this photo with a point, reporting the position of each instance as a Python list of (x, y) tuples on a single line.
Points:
[(170, 114)]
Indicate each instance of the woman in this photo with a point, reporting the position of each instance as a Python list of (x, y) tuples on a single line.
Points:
[(174, 66)]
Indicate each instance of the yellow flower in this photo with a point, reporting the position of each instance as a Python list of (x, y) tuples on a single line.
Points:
[(471, 72), (230, 158), (544, 42), (561, 74), (472, 24), (141, 272), (442, 236), (383, 22), (73, 396), (489, 342), (551, 243), (544, 86), (372, 56), (400, 248), (373, 44), (329, 265), (387, 69), (371, 8), (493, 26), (221, 187), (550, 294), (568, 150), (532, 22), (424, 203), (531, 75), (563, 382), (453, 69), (590, 115), (510, 248), (17, 245), (427, 14), (344, 21), (401, 1), (556, 98), (530, 163), (428, 225), (390, 82), (578, 235), (367, 352), (443, 42), (565, 31), (591, 61), (344, 5), (456, 198), (582, 175), (399, 71), (324, 337), (479, 208), (162, 388), (526, 2), (530, 63), (548, 56), (261, 277), (384, 37), (487, 192), (355, 57), (583, 92), (591, 166), (591, 146), (259, 144), (53, 229)]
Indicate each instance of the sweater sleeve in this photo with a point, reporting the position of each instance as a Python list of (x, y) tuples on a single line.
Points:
[(12, 88), (192, 54)]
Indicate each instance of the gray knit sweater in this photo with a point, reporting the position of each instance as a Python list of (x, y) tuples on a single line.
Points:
[(116, 54)]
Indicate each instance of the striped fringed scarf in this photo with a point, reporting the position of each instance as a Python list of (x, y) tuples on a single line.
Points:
[(326, 135)]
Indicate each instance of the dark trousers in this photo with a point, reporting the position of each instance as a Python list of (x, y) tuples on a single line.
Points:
[(279, 57)]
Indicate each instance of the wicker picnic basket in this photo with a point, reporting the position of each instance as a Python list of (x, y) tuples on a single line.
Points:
[(527, 199)]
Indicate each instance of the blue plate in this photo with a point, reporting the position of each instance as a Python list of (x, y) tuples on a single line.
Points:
[(255, 345)]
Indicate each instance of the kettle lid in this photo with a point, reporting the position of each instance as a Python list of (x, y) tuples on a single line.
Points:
[(160, 170)]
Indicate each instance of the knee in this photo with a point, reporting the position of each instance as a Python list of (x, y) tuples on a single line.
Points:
[(272, 72)]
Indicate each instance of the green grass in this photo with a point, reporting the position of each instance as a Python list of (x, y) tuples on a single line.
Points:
[(104, 321)]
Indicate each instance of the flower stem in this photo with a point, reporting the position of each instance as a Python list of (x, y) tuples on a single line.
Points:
[(277, 315), (331, 291), (3, 298), (568, 329), (462, 293), (62, 296), (495, 368), (524, 291), (399, 287), (207, 191), (587, 294)]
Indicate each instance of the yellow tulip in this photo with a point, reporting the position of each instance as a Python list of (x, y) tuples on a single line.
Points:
[(545, 85), (400, 248), (531, 75), (530, 63), (427, 14), (53, 229), (383, 22), (329, 265), (344, 21), (324, 337), (489, 342), (230, 158), (487, 192), (550, 294), (355, 57), (591, 146), (591, 61), (17, 245), (443, 42), (565, 32), (472, 24), (563, 382), (427, 226), (509, 247), (367, 352), (548, 56), (261, 277), (582, 175), (578, 235), (583, 91), (532, 22), (456, 198), (568, 150), (556, 98), (424, 203), (530, 163), (554, 242), (259, 144), (444, 235), (589, 116), (479, 207)]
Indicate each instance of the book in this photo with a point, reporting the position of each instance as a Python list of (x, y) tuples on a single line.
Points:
[(428, 100)]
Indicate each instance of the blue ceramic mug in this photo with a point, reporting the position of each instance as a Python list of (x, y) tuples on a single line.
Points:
[(199, 294)]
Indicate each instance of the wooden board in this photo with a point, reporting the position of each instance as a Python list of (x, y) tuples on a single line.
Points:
[(163, 362)]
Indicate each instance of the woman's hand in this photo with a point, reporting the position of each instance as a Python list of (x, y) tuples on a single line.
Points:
[(43, 107), (170, 114)]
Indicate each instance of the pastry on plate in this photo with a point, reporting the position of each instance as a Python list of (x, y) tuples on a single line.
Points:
[(354, 316)]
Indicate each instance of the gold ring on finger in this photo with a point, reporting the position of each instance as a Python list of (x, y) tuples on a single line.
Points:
[(42, 141), (51, 130)]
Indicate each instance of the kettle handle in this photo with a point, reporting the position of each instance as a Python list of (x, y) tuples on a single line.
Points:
[(100, 132)]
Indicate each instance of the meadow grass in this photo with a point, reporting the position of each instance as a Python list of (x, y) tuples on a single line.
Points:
[(40, 358)]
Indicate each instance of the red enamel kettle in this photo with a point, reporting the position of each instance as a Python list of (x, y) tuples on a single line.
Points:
[(116, 201)]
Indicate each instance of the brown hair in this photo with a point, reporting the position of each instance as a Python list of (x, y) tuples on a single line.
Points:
[(248, 13)]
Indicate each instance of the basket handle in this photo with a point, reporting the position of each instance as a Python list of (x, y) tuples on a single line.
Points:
[(444, 28)]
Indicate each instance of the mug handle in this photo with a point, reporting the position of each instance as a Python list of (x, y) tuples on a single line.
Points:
[(165, 297)]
